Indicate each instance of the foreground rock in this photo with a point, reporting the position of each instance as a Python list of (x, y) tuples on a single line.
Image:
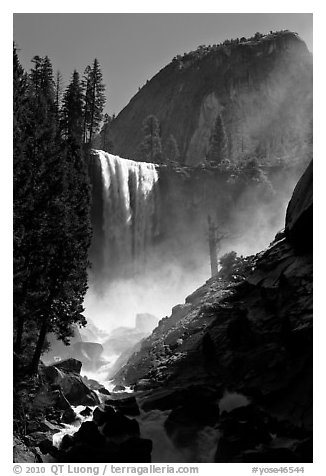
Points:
[(110, 437), (65, 375)]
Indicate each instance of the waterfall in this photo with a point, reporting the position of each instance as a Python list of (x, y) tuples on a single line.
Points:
[(129, 211)]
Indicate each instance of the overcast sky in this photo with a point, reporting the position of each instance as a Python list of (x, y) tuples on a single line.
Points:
[(133, 47)]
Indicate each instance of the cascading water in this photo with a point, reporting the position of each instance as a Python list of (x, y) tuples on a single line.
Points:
[(129, 211)]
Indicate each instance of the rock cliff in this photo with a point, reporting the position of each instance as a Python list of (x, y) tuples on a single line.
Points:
[(262, 87)]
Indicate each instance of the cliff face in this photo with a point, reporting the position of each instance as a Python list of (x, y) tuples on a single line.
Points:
[(253, 337), (262, 89)]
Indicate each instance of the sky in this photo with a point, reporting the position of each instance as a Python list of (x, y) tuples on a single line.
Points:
[(133, 47)]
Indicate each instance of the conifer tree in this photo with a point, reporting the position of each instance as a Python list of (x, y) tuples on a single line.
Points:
[(22, 195), (218, 146), (150, 149), (72, 110), (51, 210), (171, 150), (94, 100)]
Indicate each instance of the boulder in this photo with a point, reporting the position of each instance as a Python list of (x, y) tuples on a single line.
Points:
[(89, 434), (104, 391), (71, 383), (120, 428), (86, 412), (50, 399), (69, 365), (102, 415), (119, 388), (125, 404), (68, 416)]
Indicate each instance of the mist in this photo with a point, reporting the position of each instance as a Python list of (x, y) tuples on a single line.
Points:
[(175, 267)]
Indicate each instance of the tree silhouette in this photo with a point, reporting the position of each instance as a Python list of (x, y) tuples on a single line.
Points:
[(218, 146)]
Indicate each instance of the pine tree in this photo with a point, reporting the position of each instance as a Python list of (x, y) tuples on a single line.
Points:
[(86, 85), (58, 95), (72, 110), (171, 150), (51, 210), (94, 100), (106, 143), (22, 195), (218, 146), (150, 149)]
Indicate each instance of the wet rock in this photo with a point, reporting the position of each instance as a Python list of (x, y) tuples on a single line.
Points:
[(71, 384), (89, 434), (86, 412), (69, 365), (125, 404), (68, 416), (104, 391), (46, 447), (103, 415), (143, 384), (66, 442), (119, 388), (119, 427)]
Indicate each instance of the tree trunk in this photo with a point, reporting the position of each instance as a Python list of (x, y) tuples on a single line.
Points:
[(212, 247), (39, 347), (19, 335)]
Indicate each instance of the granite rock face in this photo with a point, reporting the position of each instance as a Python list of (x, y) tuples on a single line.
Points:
[(262, 89)]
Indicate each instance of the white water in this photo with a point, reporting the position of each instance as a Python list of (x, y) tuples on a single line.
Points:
[(129, 208)]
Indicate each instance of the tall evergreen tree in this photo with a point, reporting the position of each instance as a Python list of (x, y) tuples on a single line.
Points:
[(58, 95), (22, 195), (218, 145), (94, 100), (106, 143), (51, 209), (150, 149), (72, 110), (171, 150)]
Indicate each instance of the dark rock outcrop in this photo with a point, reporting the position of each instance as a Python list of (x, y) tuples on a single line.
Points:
[(65, 377), (299, 214), (109, 437)]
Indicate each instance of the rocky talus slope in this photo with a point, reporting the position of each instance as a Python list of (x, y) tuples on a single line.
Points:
[(251, 335)]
